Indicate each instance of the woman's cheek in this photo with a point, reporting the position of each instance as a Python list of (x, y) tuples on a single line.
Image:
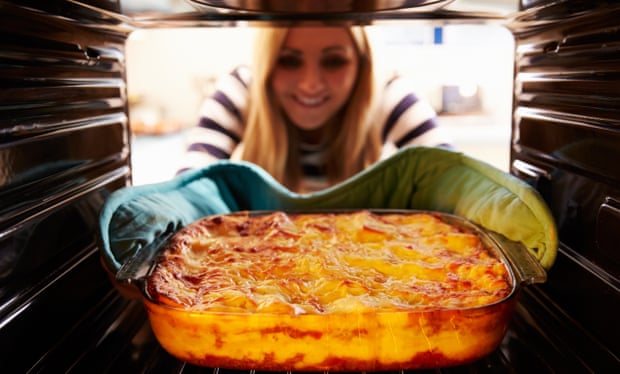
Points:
[(283, 80), (343, 81)]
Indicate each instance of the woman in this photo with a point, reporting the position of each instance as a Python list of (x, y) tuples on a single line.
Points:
[(314, 113)]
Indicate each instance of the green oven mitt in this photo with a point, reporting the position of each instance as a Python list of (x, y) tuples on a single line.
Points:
[(419, 178)]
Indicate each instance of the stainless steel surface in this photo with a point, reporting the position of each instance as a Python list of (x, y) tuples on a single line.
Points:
[(215, 18), (322, 6)]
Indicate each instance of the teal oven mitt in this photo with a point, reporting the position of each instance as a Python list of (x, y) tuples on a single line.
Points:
[(420, 178)]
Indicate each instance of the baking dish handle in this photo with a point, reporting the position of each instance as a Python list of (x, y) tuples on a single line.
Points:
[(526, 268), (138, 266)]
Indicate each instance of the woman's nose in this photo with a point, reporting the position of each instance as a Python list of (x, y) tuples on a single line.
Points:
[(312, 79)]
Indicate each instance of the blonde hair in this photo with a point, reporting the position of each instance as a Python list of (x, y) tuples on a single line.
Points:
[(270, 142)]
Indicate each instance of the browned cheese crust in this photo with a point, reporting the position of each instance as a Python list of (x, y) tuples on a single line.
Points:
[(326, 263)]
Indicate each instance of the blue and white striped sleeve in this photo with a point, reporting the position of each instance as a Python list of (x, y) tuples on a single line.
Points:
[(408, 120), (221, 123)]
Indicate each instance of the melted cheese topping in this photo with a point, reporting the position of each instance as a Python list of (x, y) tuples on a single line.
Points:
[(326, 263)]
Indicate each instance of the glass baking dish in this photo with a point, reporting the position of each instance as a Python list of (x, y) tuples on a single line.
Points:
[(369, 341)]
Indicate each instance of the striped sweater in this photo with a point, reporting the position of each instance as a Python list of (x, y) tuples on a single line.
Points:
[(405, 120)]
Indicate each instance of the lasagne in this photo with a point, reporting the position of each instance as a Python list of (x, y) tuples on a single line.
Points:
[(327, 263), (351, 290)]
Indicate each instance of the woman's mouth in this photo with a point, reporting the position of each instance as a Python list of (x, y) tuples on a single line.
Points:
[(310, 101)]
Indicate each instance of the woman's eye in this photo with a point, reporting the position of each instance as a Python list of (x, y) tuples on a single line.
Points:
[(334, 62), (289, 62)]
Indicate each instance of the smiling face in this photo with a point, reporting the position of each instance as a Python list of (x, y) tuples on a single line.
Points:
[(314, 74)]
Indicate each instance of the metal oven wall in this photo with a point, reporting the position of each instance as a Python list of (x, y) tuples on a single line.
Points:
[(566, 142), (64, 145)]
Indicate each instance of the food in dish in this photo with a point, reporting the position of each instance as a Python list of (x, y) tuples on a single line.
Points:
[(336, 291)]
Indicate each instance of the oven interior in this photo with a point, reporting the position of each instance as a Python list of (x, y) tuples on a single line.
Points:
[(66, 143)]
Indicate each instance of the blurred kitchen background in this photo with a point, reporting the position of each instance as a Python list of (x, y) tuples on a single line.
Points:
[(464, 71)]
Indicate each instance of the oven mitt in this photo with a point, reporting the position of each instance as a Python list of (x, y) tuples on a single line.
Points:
[(421, 178)]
